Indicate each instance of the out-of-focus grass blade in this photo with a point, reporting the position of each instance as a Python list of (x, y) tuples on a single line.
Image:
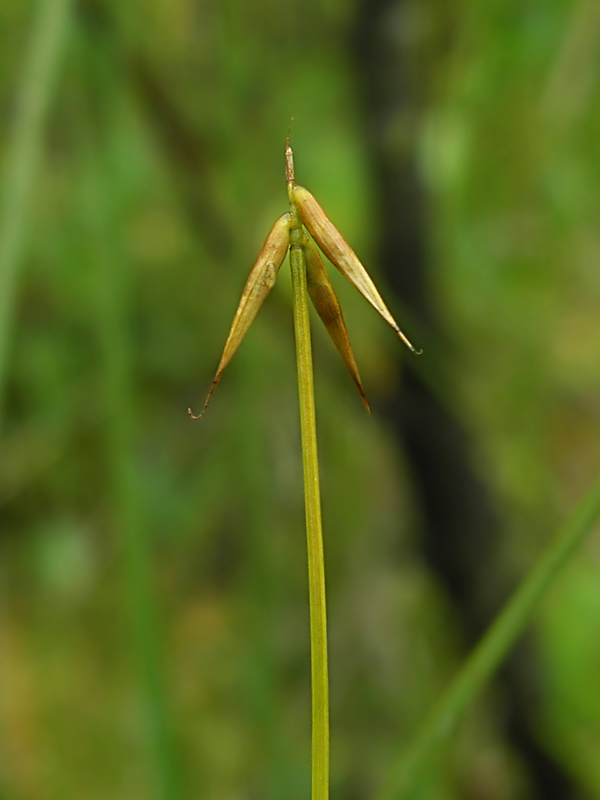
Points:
[(103, 181), (111, 307), (22, 156), (490, 652)]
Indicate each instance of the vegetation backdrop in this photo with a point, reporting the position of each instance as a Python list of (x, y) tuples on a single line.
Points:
[(153, 592)]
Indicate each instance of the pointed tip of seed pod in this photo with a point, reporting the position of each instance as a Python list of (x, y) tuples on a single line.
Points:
[(361, 391), (409, 344), (363, 397), (191, 414)]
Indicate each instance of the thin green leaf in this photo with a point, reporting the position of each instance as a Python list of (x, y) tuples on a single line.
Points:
[(438, 727), (23, 155)]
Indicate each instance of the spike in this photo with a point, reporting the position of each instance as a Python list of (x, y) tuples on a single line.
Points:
[(341, 255), (260, 282), (328, 308)]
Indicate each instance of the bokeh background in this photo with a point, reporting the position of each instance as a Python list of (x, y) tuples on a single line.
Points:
[(153, 591)]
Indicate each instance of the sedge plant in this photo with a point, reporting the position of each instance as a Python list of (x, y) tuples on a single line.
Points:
[(303, 231)]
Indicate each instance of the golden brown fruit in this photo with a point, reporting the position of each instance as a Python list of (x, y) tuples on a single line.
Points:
[(341, 255), (260, 282), (328, 308)]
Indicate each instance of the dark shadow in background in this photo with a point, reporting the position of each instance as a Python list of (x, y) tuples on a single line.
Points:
[(460, 529)]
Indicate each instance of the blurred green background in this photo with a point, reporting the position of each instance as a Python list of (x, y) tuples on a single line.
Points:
[(153, 590)]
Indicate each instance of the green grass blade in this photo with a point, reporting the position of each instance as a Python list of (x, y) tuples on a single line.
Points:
[(119, 397), (489, 653), (22, 157)]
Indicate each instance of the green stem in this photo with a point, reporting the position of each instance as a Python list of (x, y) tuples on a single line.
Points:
[(23, 155), (489, 653), (316, 565)]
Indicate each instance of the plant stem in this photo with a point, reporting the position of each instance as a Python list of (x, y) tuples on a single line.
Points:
[(489, 653), (316, 565), (23, 155)]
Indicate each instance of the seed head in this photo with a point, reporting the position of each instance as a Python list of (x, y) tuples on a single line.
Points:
[(260, 282), (341, 255)]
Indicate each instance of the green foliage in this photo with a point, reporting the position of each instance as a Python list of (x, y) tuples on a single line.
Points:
[(180, 110)]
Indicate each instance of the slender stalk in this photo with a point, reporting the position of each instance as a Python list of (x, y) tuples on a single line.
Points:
[(22, 157), (312, 497), (489, 653)]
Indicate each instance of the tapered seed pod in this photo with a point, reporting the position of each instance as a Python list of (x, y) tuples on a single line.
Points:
[(341, 255), (328, 308), (260, 282)]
